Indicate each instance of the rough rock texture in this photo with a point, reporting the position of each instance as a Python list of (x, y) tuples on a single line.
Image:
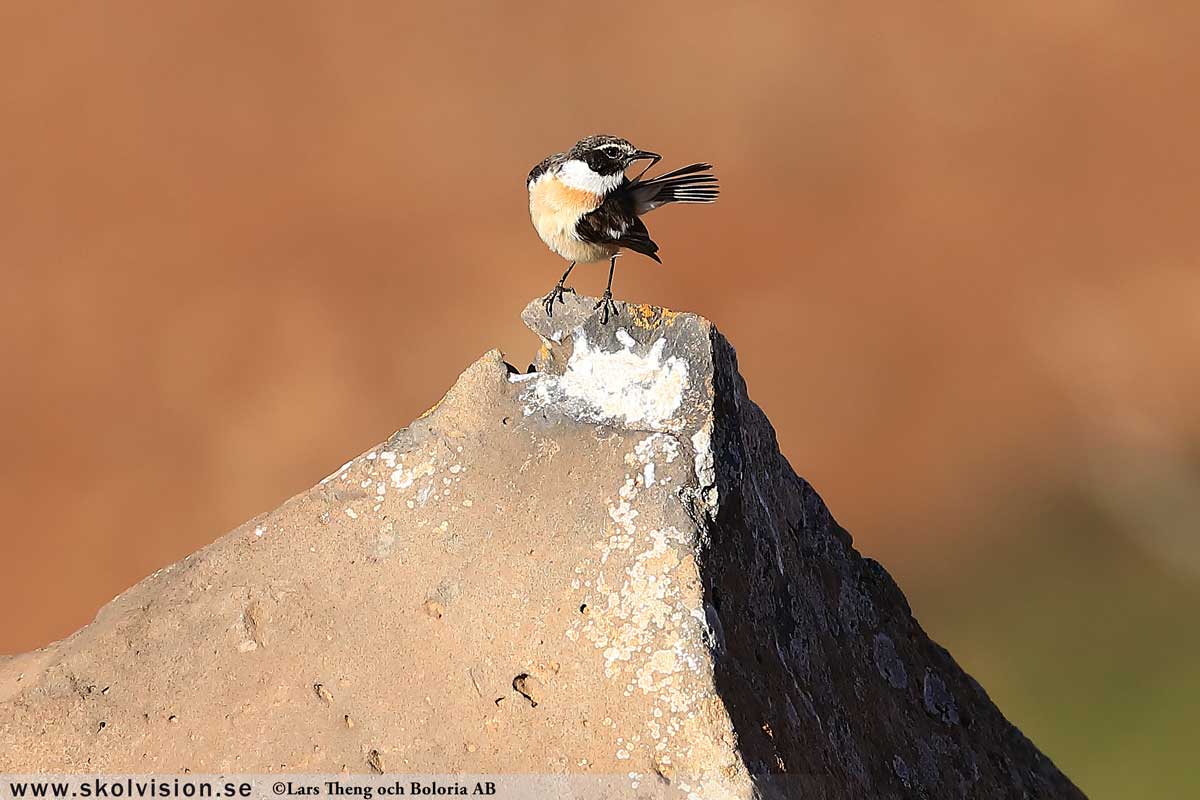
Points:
[(603, 567)]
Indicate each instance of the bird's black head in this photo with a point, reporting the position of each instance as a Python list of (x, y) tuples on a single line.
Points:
[(608, 155)]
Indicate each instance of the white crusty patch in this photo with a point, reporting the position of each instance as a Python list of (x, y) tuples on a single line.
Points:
[(644, 618), (643, 391), (644, 453), (657, 444), (705, 465)]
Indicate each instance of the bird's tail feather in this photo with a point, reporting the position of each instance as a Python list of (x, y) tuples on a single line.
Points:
[(691, 184)]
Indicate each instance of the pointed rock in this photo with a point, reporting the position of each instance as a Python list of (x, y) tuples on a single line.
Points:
[(603, 566)]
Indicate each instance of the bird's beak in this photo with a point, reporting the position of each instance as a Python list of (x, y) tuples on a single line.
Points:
[(645, 155)]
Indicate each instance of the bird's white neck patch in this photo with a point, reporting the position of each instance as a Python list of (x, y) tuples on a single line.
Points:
[(578, 175)]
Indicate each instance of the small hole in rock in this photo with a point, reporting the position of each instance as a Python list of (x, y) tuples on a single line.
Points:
[(583, 608), (528, 687)]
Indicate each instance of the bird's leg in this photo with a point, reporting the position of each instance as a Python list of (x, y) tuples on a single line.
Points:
[(606, 302), (557, 292)]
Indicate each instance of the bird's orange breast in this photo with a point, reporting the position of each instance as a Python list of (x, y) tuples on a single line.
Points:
[(555, 209), (550, 197)]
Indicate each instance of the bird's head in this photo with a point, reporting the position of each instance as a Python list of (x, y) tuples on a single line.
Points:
[(605, 157), (608, 155)]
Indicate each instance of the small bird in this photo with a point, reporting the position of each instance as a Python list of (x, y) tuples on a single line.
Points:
[(586, 209)]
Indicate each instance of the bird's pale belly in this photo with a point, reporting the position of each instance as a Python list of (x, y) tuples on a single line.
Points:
[(568, 245), (555, 209)]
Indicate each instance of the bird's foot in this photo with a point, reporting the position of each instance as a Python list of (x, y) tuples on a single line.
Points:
[(606, 304), (555, 294)]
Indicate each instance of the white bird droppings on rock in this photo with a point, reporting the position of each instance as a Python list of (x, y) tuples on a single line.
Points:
[(706, 473), (620, 386)]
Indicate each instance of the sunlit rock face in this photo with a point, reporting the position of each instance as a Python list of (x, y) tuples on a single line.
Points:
[(602, 568)]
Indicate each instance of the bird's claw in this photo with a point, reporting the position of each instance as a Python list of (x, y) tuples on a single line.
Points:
[(606, 304), (555, 294)]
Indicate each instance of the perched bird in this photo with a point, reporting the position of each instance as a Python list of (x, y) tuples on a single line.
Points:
[(586, 209)]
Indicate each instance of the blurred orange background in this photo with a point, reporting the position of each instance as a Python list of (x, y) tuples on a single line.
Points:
[(956, 250)]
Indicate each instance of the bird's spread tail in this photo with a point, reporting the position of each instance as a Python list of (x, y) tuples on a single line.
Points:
[(691, 184)]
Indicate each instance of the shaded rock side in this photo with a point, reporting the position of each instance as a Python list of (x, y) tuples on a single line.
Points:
[(601, 567)]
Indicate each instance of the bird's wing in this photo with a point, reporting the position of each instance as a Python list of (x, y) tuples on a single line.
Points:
[(615, 222), (691, 184)]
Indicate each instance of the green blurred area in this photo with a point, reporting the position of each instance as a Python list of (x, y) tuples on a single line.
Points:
[(1085, 640)]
